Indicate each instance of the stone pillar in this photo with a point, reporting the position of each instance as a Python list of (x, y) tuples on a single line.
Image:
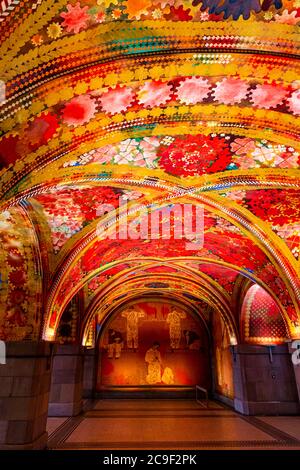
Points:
[(294, 349), (66, 385), (89, 373), (264, 381), (24, 393)]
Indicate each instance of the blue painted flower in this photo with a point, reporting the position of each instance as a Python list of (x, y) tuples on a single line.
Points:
[(236, 8), (232, 166)]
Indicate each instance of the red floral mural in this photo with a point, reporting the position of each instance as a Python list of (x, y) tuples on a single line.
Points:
[(195, 155)]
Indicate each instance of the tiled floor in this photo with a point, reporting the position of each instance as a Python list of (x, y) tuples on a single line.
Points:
[(290, 426), (170, 424), (53, 424)]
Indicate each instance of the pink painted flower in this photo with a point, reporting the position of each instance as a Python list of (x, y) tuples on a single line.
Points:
[(294, 102), (79, 110), (116, 100), (193, 90), (154, 93), (147, 152), (288, 18), (225, 226), (291, 162), (129, 195), (242, 146), (75, 18), (267, 96), (267, 156), (244, 161), (230, 91), (237, 196), (100, 17), (287, 230), (104, 154), (126, 152)]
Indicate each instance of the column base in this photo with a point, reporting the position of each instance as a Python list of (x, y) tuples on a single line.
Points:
[(227, 401), (39, 444), (267, 408), (24, 394), (64, 409), (66, 385)]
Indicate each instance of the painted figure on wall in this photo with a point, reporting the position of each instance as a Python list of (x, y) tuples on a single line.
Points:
[(115, 344), (132, 315), (223, 358), (168, 376), (153, 359), (154, 365), (219, 368), (192, 339), (174, 319)]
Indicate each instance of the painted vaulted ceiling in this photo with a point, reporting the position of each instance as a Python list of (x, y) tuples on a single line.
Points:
[(157, 104)]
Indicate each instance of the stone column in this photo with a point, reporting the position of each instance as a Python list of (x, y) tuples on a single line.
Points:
[(24, 393), (66, 385), (264, 381), (89, 373), (294, 349)]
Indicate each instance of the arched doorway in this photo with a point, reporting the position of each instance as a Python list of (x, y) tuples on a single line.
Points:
[(152, 346)]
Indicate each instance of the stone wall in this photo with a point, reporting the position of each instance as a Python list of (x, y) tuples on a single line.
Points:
[(264, 380), (24, 393), (66, 385)]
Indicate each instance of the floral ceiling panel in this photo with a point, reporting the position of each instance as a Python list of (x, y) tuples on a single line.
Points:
[(279, 207), (154, 102), (73, 17), (187, 155), (69, 210)]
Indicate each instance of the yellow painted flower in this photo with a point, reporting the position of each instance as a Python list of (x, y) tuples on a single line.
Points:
[(268, 15), (54, 30), (157, 14)]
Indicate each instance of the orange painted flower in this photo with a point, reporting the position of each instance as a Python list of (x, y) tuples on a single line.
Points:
[(116, 14), (37, 40), (135, 8)]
